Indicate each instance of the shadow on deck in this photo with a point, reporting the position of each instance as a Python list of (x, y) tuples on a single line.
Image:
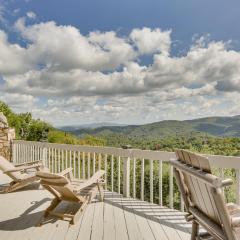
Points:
[(115, 218)]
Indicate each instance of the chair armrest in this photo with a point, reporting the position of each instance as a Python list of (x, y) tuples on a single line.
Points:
[(23, 168), (235, 221), (65, 172), (28, 163)]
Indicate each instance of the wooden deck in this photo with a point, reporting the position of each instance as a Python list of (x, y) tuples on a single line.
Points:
[(115, 218)]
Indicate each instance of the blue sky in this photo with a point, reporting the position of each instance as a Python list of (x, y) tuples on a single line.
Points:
[(187, 18), (120, 61)]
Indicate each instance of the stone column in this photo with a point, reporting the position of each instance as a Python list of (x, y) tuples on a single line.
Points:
[(6, 137)]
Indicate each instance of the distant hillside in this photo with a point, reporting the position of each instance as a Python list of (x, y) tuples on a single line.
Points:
[(89, 126), (216, 126)]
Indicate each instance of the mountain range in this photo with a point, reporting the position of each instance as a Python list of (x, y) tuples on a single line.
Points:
[(215, 126)]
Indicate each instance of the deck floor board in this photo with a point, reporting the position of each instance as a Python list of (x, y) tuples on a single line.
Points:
[(116, 218)]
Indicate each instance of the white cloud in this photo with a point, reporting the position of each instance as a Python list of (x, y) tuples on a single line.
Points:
[(13, 58), (19, 102), (31, 15), (150, 41), (69, 49), (101, 75)]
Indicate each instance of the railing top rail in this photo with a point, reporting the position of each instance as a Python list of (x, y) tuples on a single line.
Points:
[(215, 160)]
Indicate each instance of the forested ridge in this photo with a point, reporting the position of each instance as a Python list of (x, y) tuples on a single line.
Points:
[(28, 128)]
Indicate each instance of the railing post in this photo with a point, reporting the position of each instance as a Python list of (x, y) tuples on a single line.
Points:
[(44, 155), (237, 186), (171, 187), (126, 173), (126, 177)]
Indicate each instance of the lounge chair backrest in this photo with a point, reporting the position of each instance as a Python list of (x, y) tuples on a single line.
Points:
[(58, 185), (5, 165), (203, 193), (61, 187)]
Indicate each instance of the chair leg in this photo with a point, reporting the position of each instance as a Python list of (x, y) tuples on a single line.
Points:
[(52, 206), (79, 212), (101, 193), (195, 230), (13, 186)]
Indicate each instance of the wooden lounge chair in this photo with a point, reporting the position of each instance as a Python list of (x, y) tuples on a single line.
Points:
[(203, 195), (65, 188), (20, 174)]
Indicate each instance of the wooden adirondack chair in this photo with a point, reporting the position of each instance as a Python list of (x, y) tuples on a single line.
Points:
[(65, 188), (203, 195), (19, 173)]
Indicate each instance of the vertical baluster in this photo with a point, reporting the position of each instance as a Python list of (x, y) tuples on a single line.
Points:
[(94, 163), (83, 165), (119, 174), (160, 182), (33, 152), (74, 163), (105, 167), (62, 162), (134, 177), (66, 159), (151, 180), (112, 163), (52, 160), (22, 155), (171, 187), (19, 153), (38, 153), (70, 158), (99, 161), (25, 154), (59, 160), (48, 158), (79, 168), (88, 167), (222, 172), (142, 180), (30, 153), (238, 186), (16, 153), (55, 160)]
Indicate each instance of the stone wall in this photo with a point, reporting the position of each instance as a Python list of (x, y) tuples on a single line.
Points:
[(6, 136)]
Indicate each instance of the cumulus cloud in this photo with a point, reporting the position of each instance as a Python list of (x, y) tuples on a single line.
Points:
[(150, 41), (31, 15), (65, 48), (102, 74)]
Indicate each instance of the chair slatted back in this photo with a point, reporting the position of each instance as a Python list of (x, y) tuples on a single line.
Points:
[(5, 165), (61, 187), (202, 195), (58, 185)]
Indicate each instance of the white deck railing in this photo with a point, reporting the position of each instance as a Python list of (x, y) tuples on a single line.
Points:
[(135, 173)]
